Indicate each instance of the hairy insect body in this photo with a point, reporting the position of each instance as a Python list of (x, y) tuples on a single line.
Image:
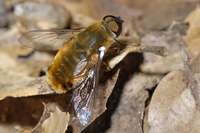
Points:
[(80, 48), (77, 64)]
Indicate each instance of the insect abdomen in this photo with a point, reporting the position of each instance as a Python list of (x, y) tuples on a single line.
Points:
[(60, 72)]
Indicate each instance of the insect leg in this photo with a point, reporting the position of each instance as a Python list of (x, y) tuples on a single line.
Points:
[(108, 68), (115, 48)]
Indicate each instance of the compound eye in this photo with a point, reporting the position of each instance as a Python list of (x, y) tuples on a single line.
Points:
[(114, 23)]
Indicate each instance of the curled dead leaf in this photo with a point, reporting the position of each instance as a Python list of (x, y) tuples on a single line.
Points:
[(53, 120)]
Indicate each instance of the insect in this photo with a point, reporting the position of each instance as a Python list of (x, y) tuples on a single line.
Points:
[(77, 64)]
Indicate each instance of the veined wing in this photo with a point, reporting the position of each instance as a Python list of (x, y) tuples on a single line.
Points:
[(47, 39), (85, 93)]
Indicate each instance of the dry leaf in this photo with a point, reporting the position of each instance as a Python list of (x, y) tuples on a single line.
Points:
[(173, 107), (175, 103), (53, 120), (192, 38), (38, 86)]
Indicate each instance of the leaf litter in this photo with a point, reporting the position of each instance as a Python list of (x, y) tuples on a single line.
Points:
[(138, 75)]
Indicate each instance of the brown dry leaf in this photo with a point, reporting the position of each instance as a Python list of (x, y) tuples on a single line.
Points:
[(53, 120), (129, 111), (192, 38), (173, 107), (157, 64), (175, 103), (38, 86)]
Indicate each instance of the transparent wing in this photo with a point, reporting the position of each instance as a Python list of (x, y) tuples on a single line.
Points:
[(85, 93), (47, 39), (83, 98)]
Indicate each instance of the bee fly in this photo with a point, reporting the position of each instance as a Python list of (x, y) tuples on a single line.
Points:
[(76, 65)]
